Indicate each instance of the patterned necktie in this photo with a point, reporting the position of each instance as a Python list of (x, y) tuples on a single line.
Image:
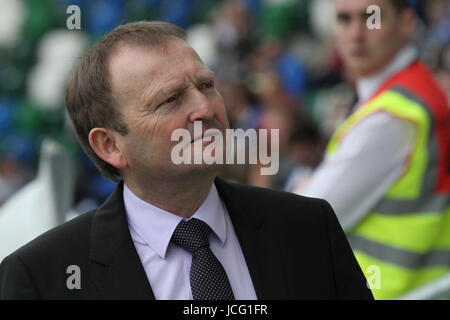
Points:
[(208, 278)]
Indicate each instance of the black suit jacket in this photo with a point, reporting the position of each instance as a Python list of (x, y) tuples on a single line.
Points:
[(294, 248)]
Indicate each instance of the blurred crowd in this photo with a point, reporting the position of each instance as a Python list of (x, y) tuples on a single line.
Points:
[(275, 64)]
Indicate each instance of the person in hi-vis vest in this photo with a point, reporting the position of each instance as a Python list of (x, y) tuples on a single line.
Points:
[(387, 167)]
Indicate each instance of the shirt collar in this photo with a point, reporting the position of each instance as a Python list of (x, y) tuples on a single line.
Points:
[(367, 86), (155, 226)]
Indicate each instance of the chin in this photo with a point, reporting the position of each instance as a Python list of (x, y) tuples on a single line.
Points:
[(361, 69), (187, 169), (208, 170), (206, 167)]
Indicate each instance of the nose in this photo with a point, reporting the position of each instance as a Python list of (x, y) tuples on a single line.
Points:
[(202, 108), (356, 29)]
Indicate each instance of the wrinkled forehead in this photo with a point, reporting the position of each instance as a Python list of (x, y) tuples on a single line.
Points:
[(135, 59), (132, 66)]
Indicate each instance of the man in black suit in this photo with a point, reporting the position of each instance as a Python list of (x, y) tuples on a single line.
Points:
[(173, 231)]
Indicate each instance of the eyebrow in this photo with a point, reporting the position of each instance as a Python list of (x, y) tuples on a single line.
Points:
[(206, 74), (168, 89), (345, 15)]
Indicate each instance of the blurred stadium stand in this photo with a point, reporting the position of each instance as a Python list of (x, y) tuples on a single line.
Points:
[(275, 64)]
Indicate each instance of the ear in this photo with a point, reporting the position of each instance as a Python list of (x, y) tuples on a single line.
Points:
[(105, 144)]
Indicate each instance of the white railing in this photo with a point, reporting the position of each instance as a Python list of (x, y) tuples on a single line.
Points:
[(41, 204)]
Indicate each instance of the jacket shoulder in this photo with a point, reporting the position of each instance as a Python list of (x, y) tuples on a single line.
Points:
[(275, 204)]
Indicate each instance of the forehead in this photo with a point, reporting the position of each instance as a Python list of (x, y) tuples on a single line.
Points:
[(357, 6), (132, 68)]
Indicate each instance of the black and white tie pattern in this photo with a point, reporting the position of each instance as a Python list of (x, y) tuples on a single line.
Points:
[(208, 278)]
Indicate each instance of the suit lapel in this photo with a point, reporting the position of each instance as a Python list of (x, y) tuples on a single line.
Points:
[(261, 246), (115, 267), (117, 272)]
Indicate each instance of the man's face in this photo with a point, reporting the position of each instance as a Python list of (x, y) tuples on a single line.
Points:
[(363, 50), (160, 90)]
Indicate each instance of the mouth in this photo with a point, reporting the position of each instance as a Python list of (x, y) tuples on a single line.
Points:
[(206, 138), (358, 52)]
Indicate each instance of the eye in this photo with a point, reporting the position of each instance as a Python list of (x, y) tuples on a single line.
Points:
[(365, 16), (343, 18), (169, 100), (207, 85)]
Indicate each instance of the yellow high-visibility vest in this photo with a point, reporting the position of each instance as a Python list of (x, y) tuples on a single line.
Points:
[(406, 236)]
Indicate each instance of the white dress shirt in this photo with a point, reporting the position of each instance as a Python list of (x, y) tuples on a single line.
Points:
[(370, 157), (167, 266)]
